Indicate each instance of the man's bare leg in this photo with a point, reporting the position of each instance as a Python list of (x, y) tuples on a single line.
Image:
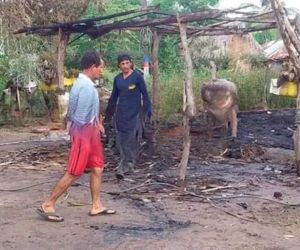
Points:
[(95, 186), (64, 183)]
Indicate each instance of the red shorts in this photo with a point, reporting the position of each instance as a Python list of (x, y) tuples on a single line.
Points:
[(86, 150)]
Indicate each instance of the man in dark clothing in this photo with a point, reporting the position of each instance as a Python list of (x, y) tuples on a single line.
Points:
[(126, 103)]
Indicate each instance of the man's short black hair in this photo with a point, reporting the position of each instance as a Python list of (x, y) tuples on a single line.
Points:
[(89, 59), (123, 57)]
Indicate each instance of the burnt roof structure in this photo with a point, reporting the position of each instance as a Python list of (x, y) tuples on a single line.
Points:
[(205, 22)]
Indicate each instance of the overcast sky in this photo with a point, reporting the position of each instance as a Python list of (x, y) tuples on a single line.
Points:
[(234, 3)]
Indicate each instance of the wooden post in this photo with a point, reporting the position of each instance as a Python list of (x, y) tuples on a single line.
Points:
[(63, 39), (297, 119), (144, 4), (292, 44), (265, 98), (155, 75), (189, 109), (19, 114), (297, 133), (18, 99), (145, 44)]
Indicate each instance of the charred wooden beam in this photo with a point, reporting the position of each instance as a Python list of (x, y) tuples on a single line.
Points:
[(292, 44), (246, 20), (165, 23), (83, 22)]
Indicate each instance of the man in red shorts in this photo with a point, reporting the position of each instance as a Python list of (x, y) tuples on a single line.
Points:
[(85, 129)]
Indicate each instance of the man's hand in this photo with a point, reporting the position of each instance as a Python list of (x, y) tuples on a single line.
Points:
[(99, 123), (149, 117), (101, 128), (149, 114), (68, 127)]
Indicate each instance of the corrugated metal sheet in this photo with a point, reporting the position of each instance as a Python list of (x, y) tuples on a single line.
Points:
[(276, 51)]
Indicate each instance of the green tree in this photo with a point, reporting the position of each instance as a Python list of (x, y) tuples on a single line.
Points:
[(119, 41), (184, 5), (265, 36), (169, 46)]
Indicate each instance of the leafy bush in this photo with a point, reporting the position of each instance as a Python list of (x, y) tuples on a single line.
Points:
[(4, 65)]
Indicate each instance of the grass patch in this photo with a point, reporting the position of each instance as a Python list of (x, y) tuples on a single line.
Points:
[(253, 89)]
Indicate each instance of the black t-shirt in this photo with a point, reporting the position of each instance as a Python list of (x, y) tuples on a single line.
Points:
[(127, 97)]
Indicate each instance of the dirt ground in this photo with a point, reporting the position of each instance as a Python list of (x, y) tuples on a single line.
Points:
[(249, 202)]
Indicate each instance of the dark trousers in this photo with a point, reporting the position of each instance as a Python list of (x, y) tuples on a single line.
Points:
[(128, 143)]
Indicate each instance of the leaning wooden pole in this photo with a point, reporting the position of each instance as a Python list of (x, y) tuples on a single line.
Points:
[(297, 120), (189, 109), (155, 75), (297, 133), (292, 44)]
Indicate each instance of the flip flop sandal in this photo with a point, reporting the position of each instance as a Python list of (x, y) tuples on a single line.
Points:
[(104, 212), (52, 217)]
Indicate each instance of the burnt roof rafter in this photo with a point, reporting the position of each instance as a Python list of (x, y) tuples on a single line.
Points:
[(205, 22)]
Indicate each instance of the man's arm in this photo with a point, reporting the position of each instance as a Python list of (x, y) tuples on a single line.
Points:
[(112, 102), (73, 99), (146, 100)]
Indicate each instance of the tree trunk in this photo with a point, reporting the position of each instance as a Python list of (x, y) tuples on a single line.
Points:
[(63, 39), (189, 109), (62, 97), (156, 75), (292, 44)]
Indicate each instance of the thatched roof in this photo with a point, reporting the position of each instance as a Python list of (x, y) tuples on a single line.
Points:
[(232, 46)]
